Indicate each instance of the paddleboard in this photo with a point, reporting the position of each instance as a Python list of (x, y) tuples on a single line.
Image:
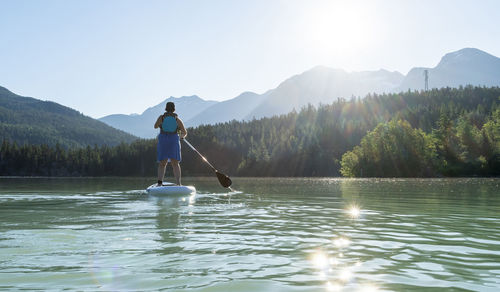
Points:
[(170, 189)]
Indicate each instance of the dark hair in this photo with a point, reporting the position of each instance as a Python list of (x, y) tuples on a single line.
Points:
[(170, 107)]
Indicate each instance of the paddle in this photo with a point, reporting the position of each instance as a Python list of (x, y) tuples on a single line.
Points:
[(224, 180)]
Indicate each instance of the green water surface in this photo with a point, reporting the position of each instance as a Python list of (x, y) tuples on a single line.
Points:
[(268, 234)]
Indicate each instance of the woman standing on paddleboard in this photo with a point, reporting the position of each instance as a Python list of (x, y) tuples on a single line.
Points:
[(169, 144)]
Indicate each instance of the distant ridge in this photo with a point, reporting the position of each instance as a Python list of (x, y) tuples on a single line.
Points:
[(141, 125), (234, 109), (27, 120), (467, 66)]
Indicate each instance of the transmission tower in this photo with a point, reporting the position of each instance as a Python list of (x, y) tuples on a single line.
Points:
[(426, 77)]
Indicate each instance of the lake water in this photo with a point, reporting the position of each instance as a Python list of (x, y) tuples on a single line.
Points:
[(269, 234)]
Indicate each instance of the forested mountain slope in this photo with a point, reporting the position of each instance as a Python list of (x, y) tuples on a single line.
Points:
[(27, 120), (324, 85)]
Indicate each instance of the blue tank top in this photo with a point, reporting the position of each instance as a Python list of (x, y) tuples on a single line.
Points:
[(169, 124)]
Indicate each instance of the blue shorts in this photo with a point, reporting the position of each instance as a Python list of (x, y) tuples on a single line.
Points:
[(169, 147)]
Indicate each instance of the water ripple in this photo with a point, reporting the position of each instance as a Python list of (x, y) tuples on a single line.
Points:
[(297, 234)]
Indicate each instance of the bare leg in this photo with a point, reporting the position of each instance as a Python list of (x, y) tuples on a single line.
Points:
[(161, 169), (177, 171)]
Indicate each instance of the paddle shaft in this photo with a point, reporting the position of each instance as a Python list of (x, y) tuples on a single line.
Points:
[(202, 157), (224, 180)]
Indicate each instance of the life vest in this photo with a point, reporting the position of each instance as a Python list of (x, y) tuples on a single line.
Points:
[(169, 124)]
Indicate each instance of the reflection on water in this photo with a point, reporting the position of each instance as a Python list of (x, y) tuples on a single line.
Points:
[(336, 270), (270, 235), (354, 211)]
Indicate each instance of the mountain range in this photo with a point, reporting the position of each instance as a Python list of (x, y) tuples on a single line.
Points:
[(34, 121), (319, 85)]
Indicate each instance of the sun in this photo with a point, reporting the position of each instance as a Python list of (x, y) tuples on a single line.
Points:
[(339, 26)]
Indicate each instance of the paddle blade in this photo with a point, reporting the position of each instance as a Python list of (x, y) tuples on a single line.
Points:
[(224, 180)]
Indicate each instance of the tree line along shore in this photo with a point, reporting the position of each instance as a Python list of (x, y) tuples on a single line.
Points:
[(441, 132)]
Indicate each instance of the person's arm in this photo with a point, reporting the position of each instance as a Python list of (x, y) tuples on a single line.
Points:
[(182, 129), (158, 122)]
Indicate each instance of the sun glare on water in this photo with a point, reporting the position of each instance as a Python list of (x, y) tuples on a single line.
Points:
[(341, 242), (320, 260), (354, 211), (336, 265), (339, 275)]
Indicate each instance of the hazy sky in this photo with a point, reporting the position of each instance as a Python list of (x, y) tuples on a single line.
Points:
[(103, 57)]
